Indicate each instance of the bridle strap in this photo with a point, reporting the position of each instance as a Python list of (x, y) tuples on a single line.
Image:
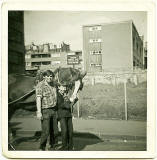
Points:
[(57, 77)]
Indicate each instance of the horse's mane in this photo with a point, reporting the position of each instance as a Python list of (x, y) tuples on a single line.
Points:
[(66, 76)]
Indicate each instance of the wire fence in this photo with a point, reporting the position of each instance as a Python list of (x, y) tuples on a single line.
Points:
[(114, 95), (116, 78)]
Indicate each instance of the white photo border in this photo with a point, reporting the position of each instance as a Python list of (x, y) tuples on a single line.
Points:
[(86, 5)]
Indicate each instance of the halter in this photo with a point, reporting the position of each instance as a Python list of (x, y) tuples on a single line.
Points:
[(64, 94)]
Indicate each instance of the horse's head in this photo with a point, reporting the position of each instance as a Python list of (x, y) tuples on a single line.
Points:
[(69, 79)]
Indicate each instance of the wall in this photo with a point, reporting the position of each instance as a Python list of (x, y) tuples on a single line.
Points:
[(137, 48), (16, 57), (116, 47)]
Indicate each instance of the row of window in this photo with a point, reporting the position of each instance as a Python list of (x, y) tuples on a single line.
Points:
[(41, 56), (95, 52), (95, 65), (28, 56), (95, 28), (42, 63), (95, 40)]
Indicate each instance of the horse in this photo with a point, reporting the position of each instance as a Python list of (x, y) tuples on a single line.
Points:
[(21, 88)]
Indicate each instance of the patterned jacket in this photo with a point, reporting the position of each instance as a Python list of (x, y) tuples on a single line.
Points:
[(47, 93)]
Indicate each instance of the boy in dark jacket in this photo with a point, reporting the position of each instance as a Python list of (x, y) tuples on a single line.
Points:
[(65, 118)]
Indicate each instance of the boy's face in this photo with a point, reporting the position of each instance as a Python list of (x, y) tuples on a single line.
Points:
[(62, 89), (48, 79)]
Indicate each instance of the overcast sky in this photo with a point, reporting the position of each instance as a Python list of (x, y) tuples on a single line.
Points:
[(57, 26)]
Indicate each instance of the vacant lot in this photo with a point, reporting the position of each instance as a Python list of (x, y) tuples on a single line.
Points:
[(104, 101)]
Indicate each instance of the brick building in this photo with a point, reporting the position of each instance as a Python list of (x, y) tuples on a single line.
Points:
[(112, 47), (16, 51)]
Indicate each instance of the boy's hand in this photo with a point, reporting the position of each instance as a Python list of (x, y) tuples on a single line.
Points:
[(39, 115), (66, 98), (72, 98)]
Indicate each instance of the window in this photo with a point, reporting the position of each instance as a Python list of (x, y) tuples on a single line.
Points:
[(45, 55), (36, 63), (95, 65), (95, 52), (46, 63), (35, 56), (95, 40), (95, 28)]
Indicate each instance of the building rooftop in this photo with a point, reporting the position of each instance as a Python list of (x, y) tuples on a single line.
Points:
[(116, 22)]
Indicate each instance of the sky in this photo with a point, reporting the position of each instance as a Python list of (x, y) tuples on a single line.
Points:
[(58, 26)]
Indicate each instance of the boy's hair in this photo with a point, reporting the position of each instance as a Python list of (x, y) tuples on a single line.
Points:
[(48, 73)]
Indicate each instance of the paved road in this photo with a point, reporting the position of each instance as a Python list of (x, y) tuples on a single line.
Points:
[(86, 144), (89, 135), (98, 127)]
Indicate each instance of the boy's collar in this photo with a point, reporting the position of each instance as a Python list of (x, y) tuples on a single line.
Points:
[(45, 82)]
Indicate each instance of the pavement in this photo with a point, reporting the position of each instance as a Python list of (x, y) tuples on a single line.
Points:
[(101, 128), (89, 135)]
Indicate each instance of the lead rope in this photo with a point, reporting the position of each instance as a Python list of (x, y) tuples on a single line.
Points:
[(25, 95)]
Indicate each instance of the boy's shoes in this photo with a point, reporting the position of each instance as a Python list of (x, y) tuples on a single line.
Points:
[(66, 148), (62, 148), (41, 149), (53, 147), (71, 149)]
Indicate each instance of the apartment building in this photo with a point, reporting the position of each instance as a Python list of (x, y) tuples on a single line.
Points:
[(112, 47), (48, 56)]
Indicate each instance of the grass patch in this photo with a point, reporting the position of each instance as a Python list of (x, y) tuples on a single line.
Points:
[(104, 101)]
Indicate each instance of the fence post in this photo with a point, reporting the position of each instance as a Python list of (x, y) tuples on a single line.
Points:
[(78, 107), (93, 81), (125, 97), (135, 79)]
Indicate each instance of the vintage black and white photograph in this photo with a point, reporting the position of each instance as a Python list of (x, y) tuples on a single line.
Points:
[(77, 80)]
